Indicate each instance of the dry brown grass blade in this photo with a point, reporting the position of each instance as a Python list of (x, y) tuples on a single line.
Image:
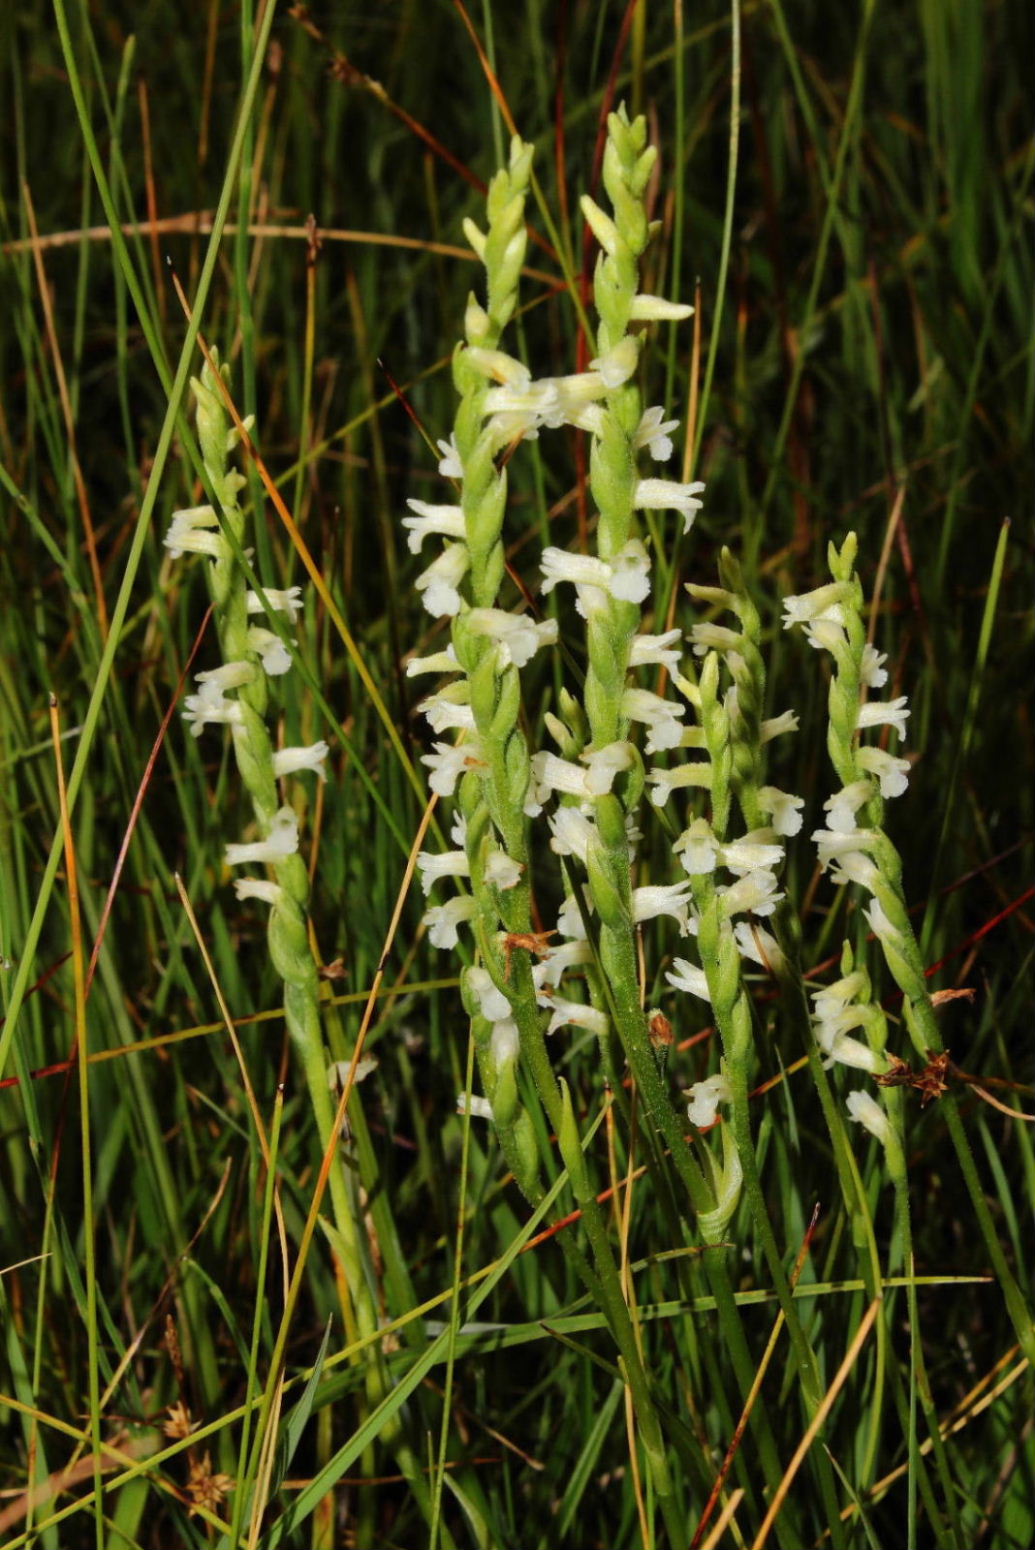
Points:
[(198, 223), (130, 1449), (82, 498), (724, 1520)]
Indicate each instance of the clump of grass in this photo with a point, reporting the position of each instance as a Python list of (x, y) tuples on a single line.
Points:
[(860, 360)]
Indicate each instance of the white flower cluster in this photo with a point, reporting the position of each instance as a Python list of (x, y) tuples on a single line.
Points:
[(442, 920), (752, 861), (844, 847), (196, 531), (574, 833), (518, 407), (847, 851), (837, 1009)]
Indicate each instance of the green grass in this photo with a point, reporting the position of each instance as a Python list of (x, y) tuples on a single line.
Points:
[(865, 310)]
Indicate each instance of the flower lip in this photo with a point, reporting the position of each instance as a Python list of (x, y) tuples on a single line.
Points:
[(517, 637), (276, 659), (280, 842), (211, 707), (755, 893), (784, 809), (804, 607), (492, 1003), (705, 1097), (477, 1107), (232, 675), (663, 717), (258, 888), (876, 713), (580, 1013), (892, 773), (626, 576), (432, 865), (654, 899), (502, 871), (442, 920), (443, 713), (185, 533), (756, 945), (697, 848), (842, 807), (660, 650), (753, 852), (439, 583), (653, 434), (450, 466), (573, 833)]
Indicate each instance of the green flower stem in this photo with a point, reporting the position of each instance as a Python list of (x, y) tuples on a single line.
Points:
[(288, 930), (900, 947), (628, 162), (895, 1158), (492, 797), (618, 954), (731, 1009), (903, 958), (253, 750), (620, 951), (747, 669), (610, 631), (733, 738), (615, 1305), (492, 793), (790, 978)]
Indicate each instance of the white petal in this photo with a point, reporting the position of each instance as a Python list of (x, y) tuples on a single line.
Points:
[(277, 600), (478, 1108), (652, 309), (281, 842), (687, 976), (705, 1098), (894, 713), (288, 761), (257, 888), (448, 521), (783, 808), (492, 1003), (276, 659), (867, 1111)]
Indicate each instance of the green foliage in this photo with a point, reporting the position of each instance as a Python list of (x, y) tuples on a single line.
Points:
[(865, 364)]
